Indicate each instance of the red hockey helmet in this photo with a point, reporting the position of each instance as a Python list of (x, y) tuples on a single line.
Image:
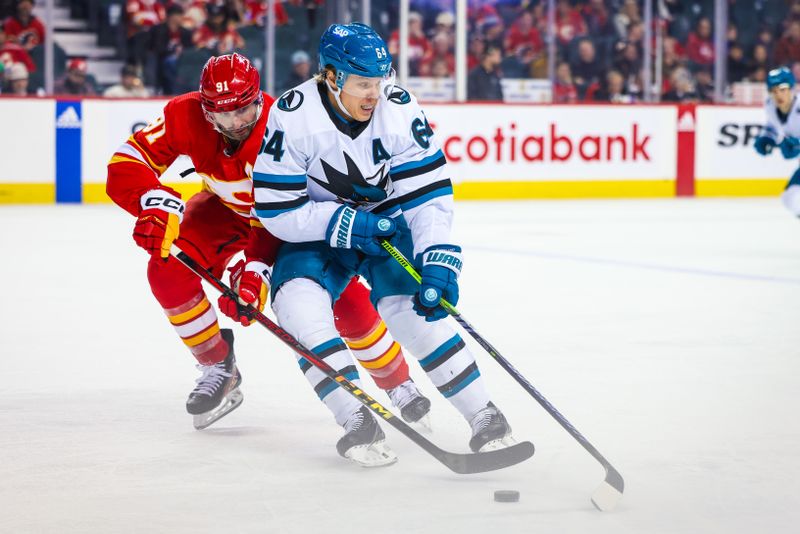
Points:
[(230, 94)]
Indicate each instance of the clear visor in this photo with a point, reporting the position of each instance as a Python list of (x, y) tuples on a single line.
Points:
[(362, 87), (238, 123)]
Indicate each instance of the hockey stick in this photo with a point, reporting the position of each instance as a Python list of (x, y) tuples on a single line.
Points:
[(458, 463), (610, 491)]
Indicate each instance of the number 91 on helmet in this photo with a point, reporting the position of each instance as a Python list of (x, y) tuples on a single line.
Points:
[(230, 95)]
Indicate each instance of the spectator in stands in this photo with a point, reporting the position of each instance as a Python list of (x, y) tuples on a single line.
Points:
[(493, 31), (627, 15), (699, 47), (523, 34), (440, 51), (219, 32), (17, 80), (23, 27), (141, 16), (704, 85), (475, 50), (787, 49), (682, 87), (598, 20), (167, 42), (483, 82), (11, 52), (301, 70), (254, 12), (569, 23), (614, 89), (629, 64), (130, 85), (586, 70), (759, 62), (478, 10), (2, 77), (758, 75), (75, 80), (524, 45), (766, 39), (446, 24), (440, 69), (194, 14), (564, 91), (737, 67), (418, 45)]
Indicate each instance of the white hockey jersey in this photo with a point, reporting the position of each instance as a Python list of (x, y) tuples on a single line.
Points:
[(312, 161), (779, 125)]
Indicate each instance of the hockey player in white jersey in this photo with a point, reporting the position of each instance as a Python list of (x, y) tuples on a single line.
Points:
[(349, 159), (782, 129)]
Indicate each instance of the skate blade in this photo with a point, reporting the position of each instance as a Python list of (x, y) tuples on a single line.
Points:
[(376, 454), (230, 402), (425, 423), (496, 444)]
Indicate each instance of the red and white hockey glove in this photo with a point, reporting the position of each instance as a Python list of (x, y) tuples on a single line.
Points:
[(250, 280), (158, 224)]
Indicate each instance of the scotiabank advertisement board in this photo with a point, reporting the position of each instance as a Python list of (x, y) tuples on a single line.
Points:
[(724, 155), (556, 143)]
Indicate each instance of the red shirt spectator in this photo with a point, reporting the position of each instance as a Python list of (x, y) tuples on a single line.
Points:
[(477, 47), (255, 12), (564, 90), (569, 23), (523, 34), (218, 33), (11, 53), (439, 51), (74, 81), (699, 48), (142, 14), (24, 28), (418, 44)]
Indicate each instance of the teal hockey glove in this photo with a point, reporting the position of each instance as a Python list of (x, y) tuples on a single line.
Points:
[(441, 265), (764, 144), (360, 230), (790, 147)]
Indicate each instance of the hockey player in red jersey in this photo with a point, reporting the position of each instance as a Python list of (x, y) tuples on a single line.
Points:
[(221, 128)]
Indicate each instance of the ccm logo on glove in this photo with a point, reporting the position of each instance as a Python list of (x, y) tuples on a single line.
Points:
[(158, 224), (169, 203)]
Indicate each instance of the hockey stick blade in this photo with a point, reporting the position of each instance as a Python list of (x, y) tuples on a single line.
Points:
[(607, 496), (609, 493), (479, 462)]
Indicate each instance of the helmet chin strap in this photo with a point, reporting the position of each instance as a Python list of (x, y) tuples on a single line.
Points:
[(336, 92)]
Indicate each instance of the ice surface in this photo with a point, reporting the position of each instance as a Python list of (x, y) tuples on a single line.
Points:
[(666, 331)]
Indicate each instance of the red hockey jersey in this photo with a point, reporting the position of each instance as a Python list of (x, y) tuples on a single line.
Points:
[(183, 130)]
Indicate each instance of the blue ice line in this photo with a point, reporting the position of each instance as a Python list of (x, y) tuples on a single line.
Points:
[(641, 265)]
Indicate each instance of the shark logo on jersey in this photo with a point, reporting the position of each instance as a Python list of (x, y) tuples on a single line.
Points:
[(352, 186), (398, 95), (290, 100)]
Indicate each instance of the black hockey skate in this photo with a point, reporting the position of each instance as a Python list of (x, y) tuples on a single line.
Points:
[(217, 392), (364, 442), (413, 405), (490, 430)]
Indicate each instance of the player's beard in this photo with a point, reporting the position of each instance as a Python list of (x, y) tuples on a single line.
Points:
[(240, 134)]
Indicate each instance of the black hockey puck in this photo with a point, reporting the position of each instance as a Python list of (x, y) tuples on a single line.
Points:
[(506, 496)]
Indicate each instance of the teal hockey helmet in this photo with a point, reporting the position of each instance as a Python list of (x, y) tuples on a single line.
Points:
[(780, 76), (354, 49)]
